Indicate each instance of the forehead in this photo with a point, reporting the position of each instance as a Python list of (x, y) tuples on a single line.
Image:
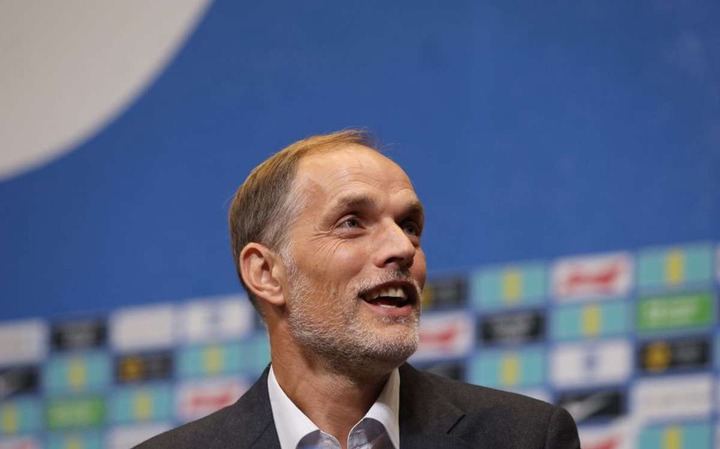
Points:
[(351, 167)]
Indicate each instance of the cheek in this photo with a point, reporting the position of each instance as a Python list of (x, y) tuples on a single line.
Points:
[(419, 267)]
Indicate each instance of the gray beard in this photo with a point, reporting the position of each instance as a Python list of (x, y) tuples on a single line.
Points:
[(338, 337)]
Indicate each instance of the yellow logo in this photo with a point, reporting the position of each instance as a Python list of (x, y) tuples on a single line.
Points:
[(672, 438), (512, 285), (73, 442), (510, 370), (143, 405), (658, 356), (131, 368), (10, 419), (77, 374), (675, 267), (213, 360), (591, 320)]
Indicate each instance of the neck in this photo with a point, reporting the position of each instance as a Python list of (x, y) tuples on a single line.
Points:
[(334, 399)]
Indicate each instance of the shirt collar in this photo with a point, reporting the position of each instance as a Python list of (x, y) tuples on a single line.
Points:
[(292, 424)]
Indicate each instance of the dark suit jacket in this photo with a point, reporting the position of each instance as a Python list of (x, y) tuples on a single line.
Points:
[(435, 412)]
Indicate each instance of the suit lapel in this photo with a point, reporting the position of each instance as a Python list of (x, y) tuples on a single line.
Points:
[(427, 418), (250, 423)]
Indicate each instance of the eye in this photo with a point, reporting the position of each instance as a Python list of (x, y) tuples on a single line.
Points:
[(351, 222), (412, 228)]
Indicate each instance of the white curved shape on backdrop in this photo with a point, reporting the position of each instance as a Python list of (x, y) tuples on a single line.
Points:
[(68, 68)]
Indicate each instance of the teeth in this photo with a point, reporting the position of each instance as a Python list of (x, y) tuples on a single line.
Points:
[(390, 292)]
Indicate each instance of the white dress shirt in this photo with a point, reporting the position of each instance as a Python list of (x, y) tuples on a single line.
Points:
[(293, 427)]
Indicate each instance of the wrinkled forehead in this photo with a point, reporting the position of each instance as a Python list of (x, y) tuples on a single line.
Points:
[(355, 164)]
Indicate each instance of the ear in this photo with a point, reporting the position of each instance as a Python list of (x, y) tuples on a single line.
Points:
[(263, 273)]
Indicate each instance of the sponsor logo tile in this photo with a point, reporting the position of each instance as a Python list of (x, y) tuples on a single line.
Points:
[(682, 311), (77, 373), (196, 399), (123, 437), (676, 436), (75, 412), (589, 320), (673, 397), (19, 416), (143, 328), (23, 442), (513, 328), (249, 356), (143, 367), (675, 266), (75, 440), (579, 365), (509, 286), (445, 335), (18, 380), (23, 342), (592, 277), (509, 369), (142, 403), (658, 356), (592, 405), (445, 292), (78, 334), (226, 318)]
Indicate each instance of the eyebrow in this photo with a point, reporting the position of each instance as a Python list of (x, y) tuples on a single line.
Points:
[(360, 201)]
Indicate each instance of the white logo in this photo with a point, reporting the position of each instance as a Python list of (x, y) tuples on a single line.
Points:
[(586, 364), (216, 319), (445, 334), (607, 275), (23, 342), (124, 437), (200, 398), (676, 397), (147, 327)]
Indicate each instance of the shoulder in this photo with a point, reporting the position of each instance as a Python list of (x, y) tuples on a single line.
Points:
[(495, 418)]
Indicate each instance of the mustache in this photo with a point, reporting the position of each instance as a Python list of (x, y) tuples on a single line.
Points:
[(396, 275)]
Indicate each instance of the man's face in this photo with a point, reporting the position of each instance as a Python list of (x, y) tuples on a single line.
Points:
[(356, 268)]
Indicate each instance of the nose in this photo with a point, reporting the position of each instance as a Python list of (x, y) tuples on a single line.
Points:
[(394, 246)]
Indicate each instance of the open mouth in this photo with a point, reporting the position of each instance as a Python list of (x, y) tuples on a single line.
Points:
[(388, 296)]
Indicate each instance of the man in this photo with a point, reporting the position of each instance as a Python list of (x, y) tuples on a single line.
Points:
[(326, 238)]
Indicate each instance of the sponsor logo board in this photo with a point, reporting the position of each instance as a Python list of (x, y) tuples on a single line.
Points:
[(590, 405), (18, 380), (509, 369), (23, 342), (675, 266), (20, 415), (77, 372), (143, 403), (75, 412), (78, 334), (444, 292), (75, 440), (143, 367), (509, 286), (658, 356), (664, 313), (515, 327), (143, 328), (445, 335), (123, 437), (696, 435), (216, 319), (24, 442), (579, 365), (674, 397), (200, 398), (587, 277), (589, 320)]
